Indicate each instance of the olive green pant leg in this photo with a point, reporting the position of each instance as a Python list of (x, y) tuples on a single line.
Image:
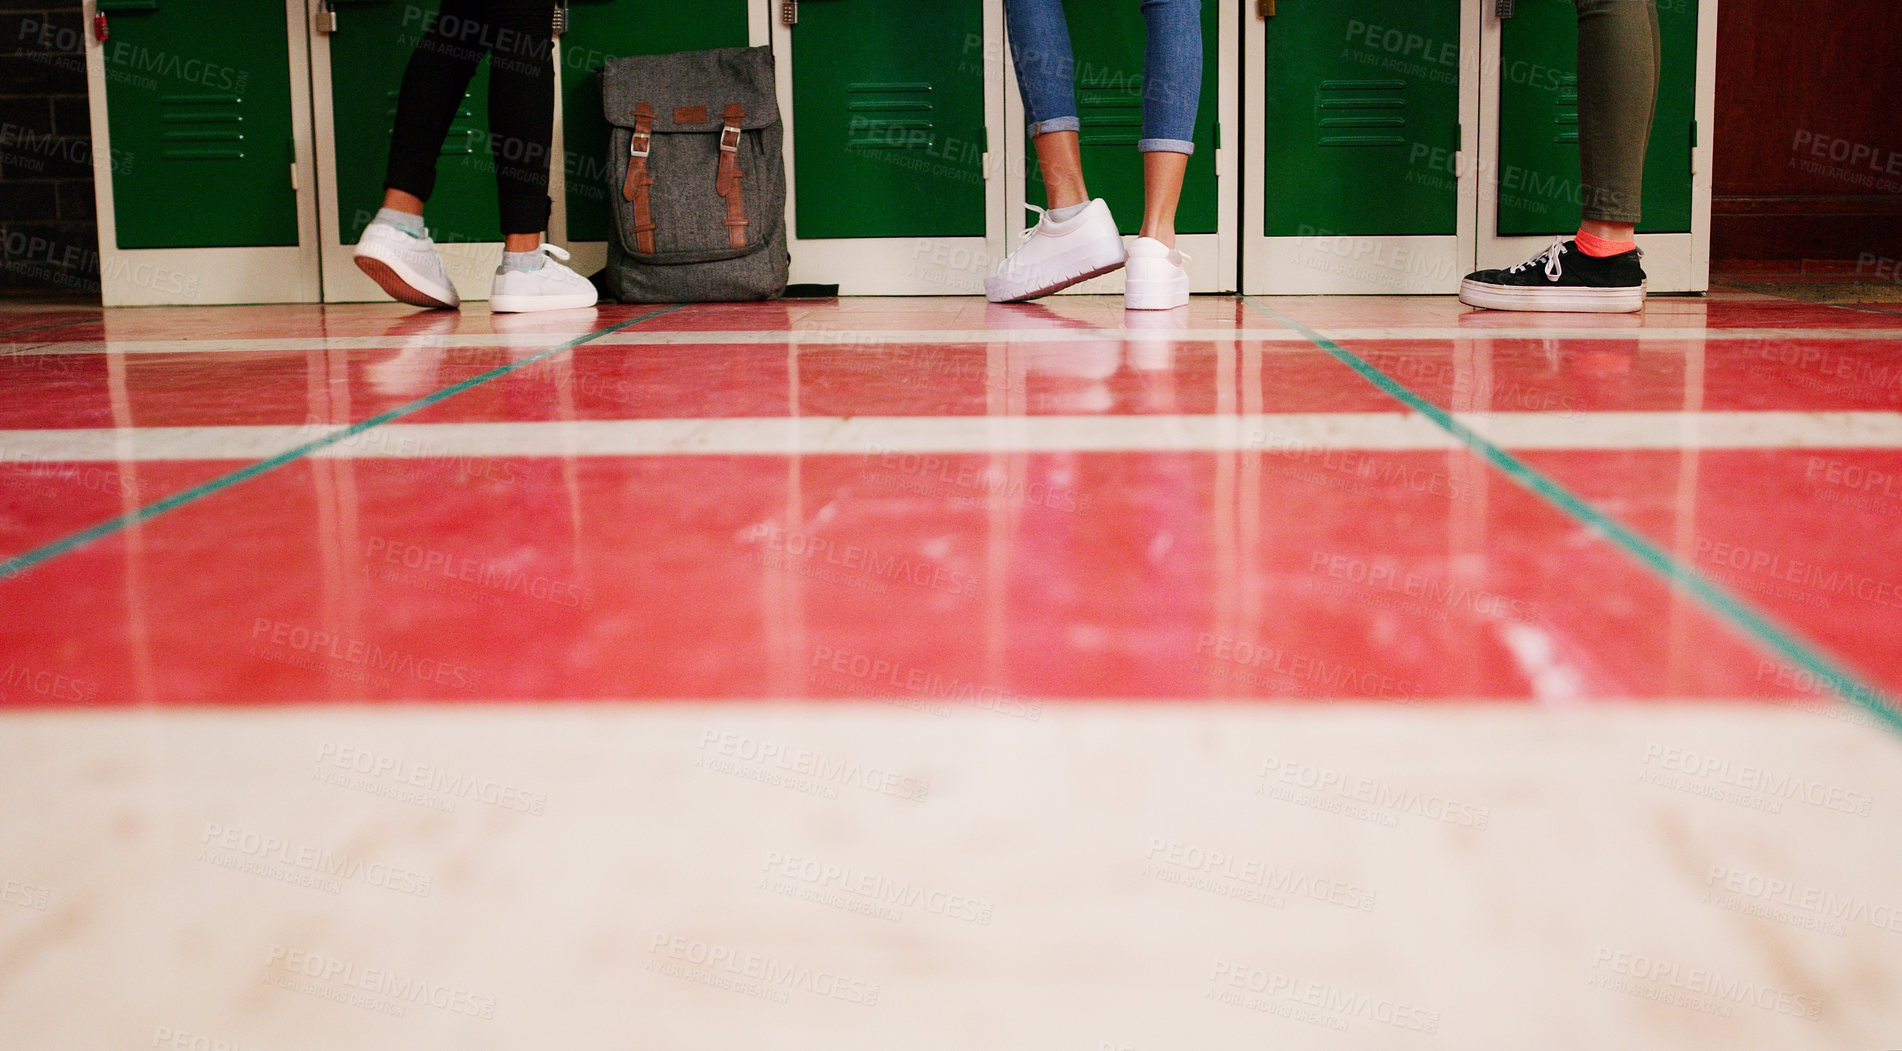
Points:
[(1618, 56)]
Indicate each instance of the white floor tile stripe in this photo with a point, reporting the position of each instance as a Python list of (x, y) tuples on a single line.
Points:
[(816, 435), (527, 342), (1110, 875)]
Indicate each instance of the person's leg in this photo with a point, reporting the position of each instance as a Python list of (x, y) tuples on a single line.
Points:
[(1076, 239), (1618, 57), (1162, 189), (433, 85), (521, 131), (1046, 77), (522, 116), (1600, 268), (1060, 159), (395, 249), (1172, 86), (1157, 277)]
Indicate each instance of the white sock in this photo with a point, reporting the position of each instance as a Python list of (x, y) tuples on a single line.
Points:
[(1069, 212), (531, 260), (409, 224)]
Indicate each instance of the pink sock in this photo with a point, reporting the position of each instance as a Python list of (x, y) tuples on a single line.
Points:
[(1592, 244)]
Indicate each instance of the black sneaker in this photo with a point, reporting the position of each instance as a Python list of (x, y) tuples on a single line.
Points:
[(1561, 278)]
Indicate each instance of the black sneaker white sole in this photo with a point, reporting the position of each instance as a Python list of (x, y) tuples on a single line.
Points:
[(1558, 300)]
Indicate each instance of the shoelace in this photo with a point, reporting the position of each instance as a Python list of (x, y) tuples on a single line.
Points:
[(556, 250), (1031, 230), (1551, 259)]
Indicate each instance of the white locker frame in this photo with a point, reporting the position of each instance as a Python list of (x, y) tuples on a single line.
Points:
[(1213, 261), (1672, 262), (590, 256), (896, 266), (1355, 264), (205, 276)]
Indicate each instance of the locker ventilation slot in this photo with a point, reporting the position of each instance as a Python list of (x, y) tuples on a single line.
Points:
[(465, 133), (1565, 110), (201, 127), (1110, 116), (1353, 112), (889, 117)]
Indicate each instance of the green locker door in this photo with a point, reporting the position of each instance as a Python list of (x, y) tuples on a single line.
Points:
[(198, 103), (603, 29), (368, 50), (1362, 117), (1108, 40), (888, 114), (1538, 121)]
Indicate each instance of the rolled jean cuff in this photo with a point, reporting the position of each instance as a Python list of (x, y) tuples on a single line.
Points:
[(1045, 127), (1165, 146)]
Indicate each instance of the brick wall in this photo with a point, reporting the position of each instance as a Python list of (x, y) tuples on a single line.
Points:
[(49, 236)]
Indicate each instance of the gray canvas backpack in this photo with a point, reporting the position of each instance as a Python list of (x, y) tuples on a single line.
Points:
[(698, 177)]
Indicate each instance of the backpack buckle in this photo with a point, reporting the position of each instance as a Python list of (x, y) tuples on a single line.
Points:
[(643, 129), (730, 138)]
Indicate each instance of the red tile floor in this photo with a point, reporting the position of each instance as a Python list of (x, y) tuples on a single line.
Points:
[(932, 674)]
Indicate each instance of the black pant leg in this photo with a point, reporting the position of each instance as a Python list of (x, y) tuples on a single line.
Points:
[(434, 83), (522, 110)]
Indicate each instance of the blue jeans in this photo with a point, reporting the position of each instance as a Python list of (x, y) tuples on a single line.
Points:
[(1172, 70)]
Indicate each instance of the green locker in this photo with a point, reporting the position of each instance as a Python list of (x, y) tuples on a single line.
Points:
[(602, 29), (888, 119), (1538, 121), (1361, 117), (198, 103), (368, 50), (1108, 41)]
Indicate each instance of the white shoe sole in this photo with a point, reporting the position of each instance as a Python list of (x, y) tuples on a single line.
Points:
[(402, 282), (1165, 293), (1059, 273), (1553, 300), (528, 304)]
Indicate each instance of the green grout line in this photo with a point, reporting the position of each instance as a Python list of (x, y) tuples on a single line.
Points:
[(21, 563), (1779, 639), (24, 351), (56, 324)]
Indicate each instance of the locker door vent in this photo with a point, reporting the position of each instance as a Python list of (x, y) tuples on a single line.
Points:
[(1110, 116), (1565, 109), (889, 116), (465, 132), (1361, 112), (201, 127)]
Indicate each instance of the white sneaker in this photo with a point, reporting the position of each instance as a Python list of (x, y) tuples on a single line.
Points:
[(1057, 255), (553, 287), (1157, 278), (408, 268)]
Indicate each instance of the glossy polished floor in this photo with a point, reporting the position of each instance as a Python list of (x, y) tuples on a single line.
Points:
[(928, 674)]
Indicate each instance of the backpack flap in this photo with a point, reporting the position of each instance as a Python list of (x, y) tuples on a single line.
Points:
[(696, 148), (690, 90)]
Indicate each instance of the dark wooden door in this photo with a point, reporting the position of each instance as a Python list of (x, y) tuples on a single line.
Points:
[(1809, 131)]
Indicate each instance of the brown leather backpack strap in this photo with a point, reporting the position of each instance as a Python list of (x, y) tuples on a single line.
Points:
[(728, 183), (634, 189)]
